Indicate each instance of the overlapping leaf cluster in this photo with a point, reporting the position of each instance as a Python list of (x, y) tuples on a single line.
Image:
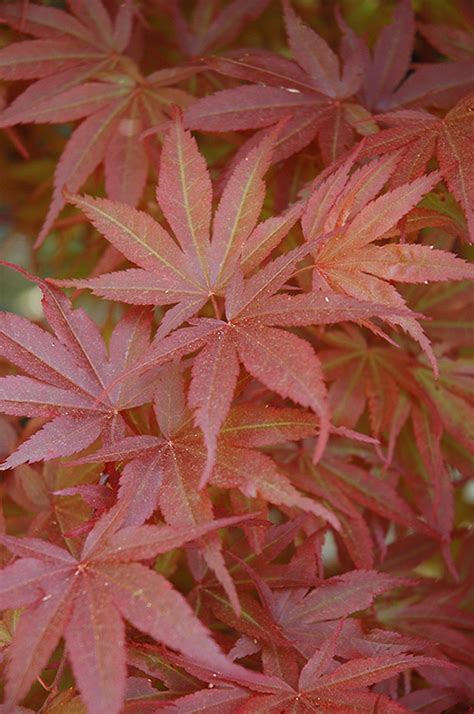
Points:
[(238, 444)]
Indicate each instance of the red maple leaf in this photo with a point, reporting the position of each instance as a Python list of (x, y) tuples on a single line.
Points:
[(85, 600), (85, 73), (68, 374)]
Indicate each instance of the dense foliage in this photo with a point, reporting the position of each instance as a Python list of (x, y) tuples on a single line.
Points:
[(238, 433)]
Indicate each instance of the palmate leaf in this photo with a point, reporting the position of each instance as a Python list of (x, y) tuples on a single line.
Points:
[(283, 362), (165, 472), (69, 374), (325, 96), (314, 91), (206, 31), (347, 262), (344, 688), (86, 601), (419, 136), (197, 268), (84, 73)]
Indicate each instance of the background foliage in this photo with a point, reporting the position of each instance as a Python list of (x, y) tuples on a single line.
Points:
[(236, 364)]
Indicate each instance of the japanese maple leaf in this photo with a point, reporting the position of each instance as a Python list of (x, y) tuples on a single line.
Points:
[(454, 42), (315, 91), (85, 601), (437, 615), (350, 487), (452, 397), (419, 136), (322, 98), (194, 269), (164, 471), (283, 362), (347, 262), (99, 84), (211, 27), (68, 374), (322, 684), (390, 83), (355, 369)]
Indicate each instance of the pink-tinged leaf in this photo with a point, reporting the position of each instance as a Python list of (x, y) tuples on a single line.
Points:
[(413, 264), (137, 287), (440, 85), (151, 605), (44, 22), (42, 93), (256, 474), (363, 702), (342, 595), (454, 410), (8, 437), (170, 400), (172, 75), (335, 133), (370, 670), (39, 549), (172, 347), (267, 235), (40, 354), (207, 32), (54, 440), (247, 107), (455, 155), (392, 55), (126, 161), (318, 309), (22, 396), (267, 281), (95, 639), (372, 492), (139, 486), (39, 58), (95, 495), (450, 41), (355, 57), (135, 234), (312, 53), (361, 188), (144, 542), (264, 68), (95, 16), (239, 208), (323, 197), (129, 340), (287, 365), (186, 507), (20, 583), (251, 425), (320, 661), (299, 131), (185, 195), (184, 340), (36, 636), (71, 104), (214, 377), (188, 308), (123, 25), (78, 333), (83, 153), (220, 700), (435, 700), (382, 213), (124, 450)]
